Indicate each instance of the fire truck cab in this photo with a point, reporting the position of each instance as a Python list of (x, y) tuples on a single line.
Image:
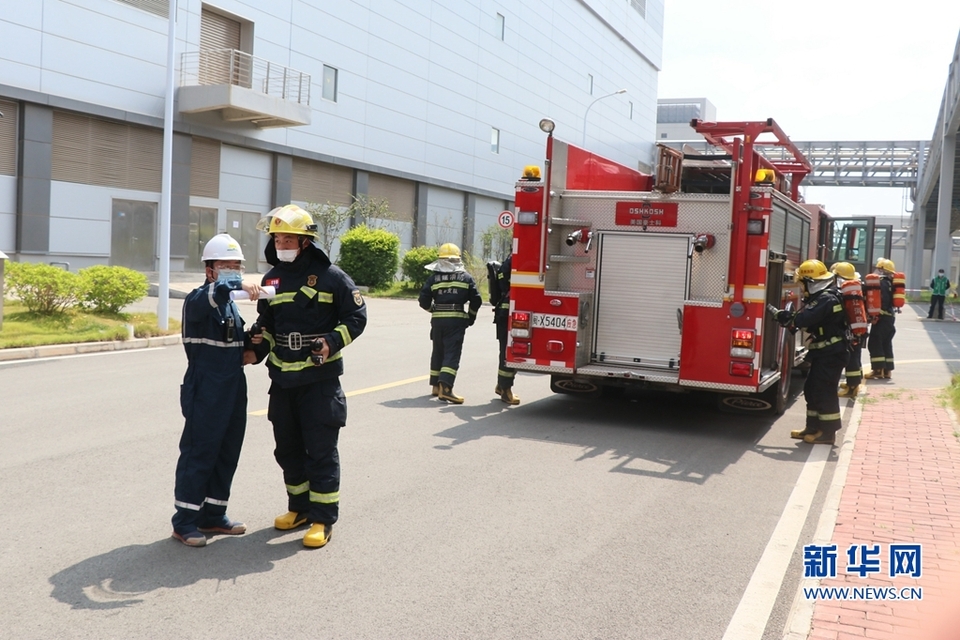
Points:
[(622, 278)]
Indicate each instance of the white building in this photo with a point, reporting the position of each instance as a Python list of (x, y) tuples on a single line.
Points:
[(431, 104), (674, 116)]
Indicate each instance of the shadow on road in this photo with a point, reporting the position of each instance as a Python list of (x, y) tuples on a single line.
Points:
[(125, 576)]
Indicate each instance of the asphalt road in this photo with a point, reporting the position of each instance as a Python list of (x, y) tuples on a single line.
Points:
[(643, 516)]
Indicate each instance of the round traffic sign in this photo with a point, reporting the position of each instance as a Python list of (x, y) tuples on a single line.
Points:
[(505, 219)]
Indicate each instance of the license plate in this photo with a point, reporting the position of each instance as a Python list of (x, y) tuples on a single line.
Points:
[(548, 321)]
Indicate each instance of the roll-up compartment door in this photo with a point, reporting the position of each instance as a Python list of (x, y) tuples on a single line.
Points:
[(642, 283)]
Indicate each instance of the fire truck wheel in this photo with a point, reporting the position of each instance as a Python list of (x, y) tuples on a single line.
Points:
[(779, 394), (582, 388)]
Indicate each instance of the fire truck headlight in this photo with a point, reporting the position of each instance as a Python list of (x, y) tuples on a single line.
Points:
[(547, 125)]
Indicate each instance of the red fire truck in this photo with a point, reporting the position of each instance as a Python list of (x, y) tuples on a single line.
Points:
[(663, 281)]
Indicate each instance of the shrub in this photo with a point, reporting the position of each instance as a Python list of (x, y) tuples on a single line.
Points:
[(414, 262), (110, 289), (43, 288), (370, 256)]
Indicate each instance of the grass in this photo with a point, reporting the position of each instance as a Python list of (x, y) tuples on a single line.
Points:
[(952, 393), (23, 328)]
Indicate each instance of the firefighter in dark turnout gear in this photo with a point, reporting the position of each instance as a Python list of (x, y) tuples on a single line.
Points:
[(450, 295), (880, 343), (824, 319), (854, 369), (213, 396), (499, 277), (317, 311)]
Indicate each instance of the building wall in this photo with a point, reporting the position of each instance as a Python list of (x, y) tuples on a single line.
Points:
[(421, 86), (8, 214)]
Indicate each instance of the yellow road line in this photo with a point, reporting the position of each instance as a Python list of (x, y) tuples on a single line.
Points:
[(349, 394)]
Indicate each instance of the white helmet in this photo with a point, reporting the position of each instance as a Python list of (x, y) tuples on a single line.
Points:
[(222, 247)]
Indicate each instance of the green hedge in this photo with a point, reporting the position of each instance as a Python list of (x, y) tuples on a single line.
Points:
[(414, 262), (370, 256), (46, 289), (110, 289)]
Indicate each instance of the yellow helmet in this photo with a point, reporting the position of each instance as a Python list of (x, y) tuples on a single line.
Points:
[(288, 219), (845, 270), (886, 265), (449, 250), (812, 270)]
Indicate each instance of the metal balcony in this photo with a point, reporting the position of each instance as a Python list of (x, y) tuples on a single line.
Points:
[(243, 88)]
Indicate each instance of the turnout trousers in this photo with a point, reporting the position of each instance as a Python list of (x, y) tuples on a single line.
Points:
[(820, 391), (306, 428), (215, 408), (880, 344), (505, 374), (447, 347), (854, 370)]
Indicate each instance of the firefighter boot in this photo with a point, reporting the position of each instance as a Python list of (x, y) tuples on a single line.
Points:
[(799, 434), (446, 393), (318, 535), (289, 520), (820, 437), (876, 374), (888, 375), (224, 526), (498, 390), (846, 391), (435, 391), (507, 396)]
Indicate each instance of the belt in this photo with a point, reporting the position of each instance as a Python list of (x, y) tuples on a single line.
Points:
[(825, 343), (448, 307), (295, 340)]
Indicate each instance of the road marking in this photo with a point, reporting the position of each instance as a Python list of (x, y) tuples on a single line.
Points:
[(79, 355), (753, 612), (350, 394)]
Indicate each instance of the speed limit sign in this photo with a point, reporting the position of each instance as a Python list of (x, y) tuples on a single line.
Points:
[(505, 219)]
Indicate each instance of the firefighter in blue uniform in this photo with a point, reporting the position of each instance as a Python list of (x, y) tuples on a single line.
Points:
[(853, 372), (499, 283), (823, 317), (450, 295), (213, 396), (316, 312), (880, 343)]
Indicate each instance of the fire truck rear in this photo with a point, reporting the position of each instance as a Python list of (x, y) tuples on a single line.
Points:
[(622, 278)]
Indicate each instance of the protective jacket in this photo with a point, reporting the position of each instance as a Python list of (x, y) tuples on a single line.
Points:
[(824, 319), (451, 298), (314, 299), (502, 306)]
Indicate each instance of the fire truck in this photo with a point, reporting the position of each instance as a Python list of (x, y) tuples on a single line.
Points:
[(620, 278)]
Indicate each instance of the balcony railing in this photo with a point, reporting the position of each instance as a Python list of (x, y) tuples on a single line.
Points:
[(229, 66)]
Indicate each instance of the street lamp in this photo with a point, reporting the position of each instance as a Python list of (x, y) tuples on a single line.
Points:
[(615, 93)]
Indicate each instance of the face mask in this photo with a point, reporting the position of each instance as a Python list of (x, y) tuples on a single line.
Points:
[(287, 255), (229, 276)]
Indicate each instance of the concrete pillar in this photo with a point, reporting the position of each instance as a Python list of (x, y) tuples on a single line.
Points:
[(943, 243), (33, 188), (180, 198), (361, 187), (282, 180), (915, 238), (469, 221), (420, 215)]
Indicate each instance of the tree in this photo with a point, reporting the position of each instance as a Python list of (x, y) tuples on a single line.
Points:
[(330, 219)]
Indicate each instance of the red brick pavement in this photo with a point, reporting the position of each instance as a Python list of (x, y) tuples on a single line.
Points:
[(903, 486)]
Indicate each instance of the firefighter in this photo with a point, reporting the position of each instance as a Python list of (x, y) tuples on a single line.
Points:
[(822, 316), (854, 369), (317, 311), (880, 344), (501, 317), (450, 295), (213, 396)]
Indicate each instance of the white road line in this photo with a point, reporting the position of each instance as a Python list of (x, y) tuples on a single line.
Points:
[(78, 355), (750, 618)]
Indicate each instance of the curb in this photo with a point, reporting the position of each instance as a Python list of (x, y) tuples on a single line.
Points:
[(48, 351)]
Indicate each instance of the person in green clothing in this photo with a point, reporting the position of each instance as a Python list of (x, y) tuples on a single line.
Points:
[(938, 294)]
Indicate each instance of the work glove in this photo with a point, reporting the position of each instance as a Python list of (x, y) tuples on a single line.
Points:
[(784, 317)]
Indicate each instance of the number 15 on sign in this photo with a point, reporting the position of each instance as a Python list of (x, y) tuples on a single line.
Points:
[(505, 219)]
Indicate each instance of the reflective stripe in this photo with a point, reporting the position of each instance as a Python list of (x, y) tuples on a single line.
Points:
[(210, 291), (213, 343), (186, 505), (880, 359), (269, 338), (280, 298), (434, 373), (854, 372), (829, 416), (811, 413), (506, 374), (456, 284), (310, 293), (344, 334), (825, 343), (298, 489), (450, 314), (325, 498), (837, 308), (452, 372), (322, 296), (298, 365), (220, 503)]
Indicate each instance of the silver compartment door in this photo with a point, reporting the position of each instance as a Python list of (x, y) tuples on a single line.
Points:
[(642, 283)]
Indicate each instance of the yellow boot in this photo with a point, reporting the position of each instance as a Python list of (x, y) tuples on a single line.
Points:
[(289, 520), (435, 391), (798, 434), (507, 396), (848, 392), (873, 375), (498, 390), (318, 535), (446, 393)]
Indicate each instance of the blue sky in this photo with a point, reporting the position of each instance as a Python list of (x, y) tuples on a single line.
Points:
[(841, 70)]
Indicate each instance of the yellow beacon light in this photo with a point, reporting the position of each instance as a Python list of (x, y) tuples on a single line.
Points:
[(531, 172), (765, 176)]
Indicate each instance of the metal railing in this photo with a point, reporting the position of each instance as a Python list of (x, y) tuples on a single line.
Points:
[(229, 66)]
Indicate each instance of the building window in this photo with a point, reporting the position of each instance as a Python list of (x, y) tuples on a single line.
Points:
[(640, 6), (329, 83), (501, 25), (495, 140), (590, 83), (631, 110), (663, 135)]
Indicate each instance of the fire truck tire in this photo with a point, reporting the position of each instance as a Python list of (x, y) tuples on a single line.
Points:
[(569, 386), (779, 394)]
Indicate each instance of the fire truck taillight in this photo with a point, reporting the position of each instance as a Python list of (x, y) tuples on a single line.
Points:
[(741, 369), (520, 324), (520, 348), (741, 344)]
